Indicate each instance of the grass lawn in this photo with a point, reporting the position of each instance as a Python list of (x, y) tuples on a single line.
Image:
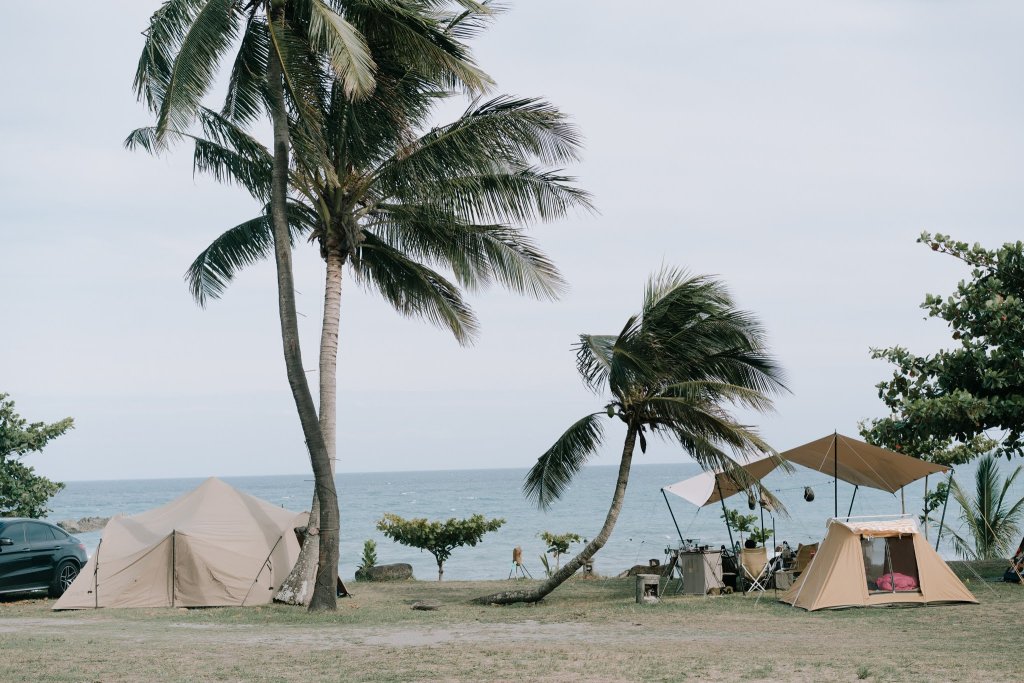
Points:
[(588, 630)]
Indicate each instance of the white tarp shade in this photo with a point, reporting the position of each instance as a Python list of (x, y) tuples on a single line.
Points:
[(711, 487)]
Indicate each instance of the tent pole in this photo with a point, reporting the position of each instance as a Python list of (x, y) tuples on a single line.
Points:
[(926, 507), (763, 539), (725, 514), (903, 502), (835, 468), (96, 577), (942, 520), (174, 548), (852, 498), (673, 515)]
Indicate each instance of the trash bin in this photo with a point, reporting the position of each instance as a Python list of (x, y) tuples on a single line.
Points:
[(647, 588)]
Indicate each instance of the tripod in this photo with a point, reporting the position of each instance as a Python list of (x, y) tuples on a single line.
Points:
[(520, 570)]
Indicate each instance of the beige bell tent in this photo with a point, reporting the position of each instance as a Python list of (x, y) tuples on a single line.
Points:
[(214, 546), (871, 562)]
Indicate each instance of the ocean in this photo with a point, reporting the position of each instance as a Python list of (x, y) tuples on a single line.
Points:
[(644, 530)]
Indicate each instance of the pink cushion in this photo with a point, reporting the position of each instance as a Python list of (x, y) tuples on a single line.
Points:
[(903, 582)]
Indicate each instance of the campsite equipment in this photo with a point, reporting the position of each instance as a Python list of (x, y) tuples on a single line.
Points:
[(872, 561), (860, 464), (214, 546), (711, 487)]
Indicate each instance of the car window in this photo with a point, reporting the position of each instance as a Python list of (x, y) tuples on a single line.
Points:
[(15, 532), (38, 533)]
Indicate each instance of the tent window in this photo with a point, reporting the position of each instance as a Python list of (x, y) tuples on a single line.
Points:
[(890, 565)]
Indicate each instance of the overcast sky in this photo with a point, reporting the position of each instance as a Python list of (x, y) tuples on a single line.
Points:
[(795, 149)]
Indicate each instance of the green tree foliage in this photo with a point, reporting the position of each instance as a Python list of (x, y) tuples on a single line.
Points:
[(992, 523), (746, 524), (944, 406), (674, 371), (558, 544), (437, 538), (23, 493), (369, 560)]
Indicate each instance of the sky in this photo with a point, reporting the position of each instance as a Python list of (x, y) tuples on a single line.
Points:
[(793, 149)]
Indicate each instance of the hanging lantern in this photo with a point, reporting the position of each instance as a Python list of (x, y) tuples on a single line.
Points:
[(808, 494), (751, 503)]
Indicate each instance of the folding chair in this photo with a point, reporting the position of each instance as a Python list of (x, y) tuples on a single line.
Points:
[(804, 555), (757, 570)]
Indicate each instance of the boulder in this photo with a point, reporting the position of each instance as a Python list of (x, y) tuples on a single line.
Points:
[(80, 526), (399, 571)]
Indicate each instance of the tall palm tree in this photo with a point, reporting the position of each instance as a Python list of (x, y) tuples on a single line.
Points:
[(288, 49), (401, 203), (992, 522), (673, 371)]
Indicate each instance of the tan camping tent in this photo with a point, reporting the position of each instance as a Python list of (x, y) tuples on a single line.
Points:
[(214, 546), (866, 563)]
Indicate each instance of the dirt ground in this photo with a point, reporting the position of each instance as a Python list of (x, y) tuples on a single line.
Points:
[(588, 630)]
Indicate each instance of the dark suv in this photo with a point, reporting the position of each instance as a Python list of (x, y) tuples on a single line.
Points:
[(37, 556)]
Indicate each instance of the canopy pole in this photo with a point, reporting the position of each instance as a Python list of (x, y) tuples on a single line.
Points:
[(763, 539), (174, 562), (942, 520), (725, 514), (835, 469), (926, 507), (673, 515), (903, 501), (852, 498)]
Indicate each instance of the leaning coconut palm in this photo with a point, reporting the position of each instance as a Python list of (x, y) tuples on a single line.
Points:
[(672, 371), (287, 50), (992, 522)]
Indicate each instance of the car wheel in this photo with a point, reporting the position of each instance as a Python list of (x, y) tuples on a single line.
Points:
[(67, 572)]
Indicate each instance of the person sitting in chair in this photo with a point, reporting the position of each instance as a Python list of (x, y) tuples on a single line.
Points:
[(750, 543)]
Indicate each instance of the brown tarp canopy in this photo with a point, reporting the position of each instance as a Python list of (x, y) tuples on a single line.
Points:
[(861, 464)]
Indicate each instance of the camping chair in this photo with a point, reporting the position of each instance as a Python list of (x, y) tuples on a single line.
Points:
[(804, 555), (756, 569)]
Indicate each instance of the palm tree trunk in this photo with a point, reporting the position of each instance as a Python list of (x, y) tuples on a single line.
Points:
[(297, 588), (538, 593), (324, 593)]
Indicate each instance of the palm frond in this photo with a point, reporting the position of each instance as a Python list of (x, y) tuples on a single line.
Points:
[(503, 133), (247, 84), (555, 469), (413, 289), (211, 32), (345, 47), (477, 254), (243, 245), (418, 36)]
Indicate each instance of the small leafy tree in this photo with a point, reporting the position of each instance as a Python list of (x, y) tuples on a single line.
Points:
[(746, 524), (437, 538), (991, 521), (558, 544), (369, 560), (23, 493)]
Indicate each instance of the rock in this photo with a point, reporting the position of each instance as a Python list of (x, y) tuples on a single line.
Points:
[(83, 525), (643, 569), (426, 606), (386, 572)]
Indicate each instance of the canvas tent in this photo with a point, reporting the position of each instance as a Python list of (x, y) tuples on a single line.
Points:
[(867, 562), (214, 546)]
